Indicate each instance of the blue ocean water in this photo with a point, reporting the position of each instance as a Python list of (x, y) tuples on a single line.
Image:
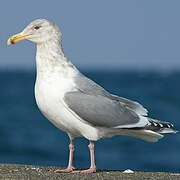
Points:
[(27, 137)]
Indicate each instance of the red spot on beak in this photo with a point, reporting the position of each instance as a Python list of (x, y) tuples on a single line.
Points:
[(12, 42)]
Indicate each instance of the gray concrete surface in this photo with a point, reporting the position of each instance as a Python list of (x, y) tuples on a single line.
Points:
[(30, 172)]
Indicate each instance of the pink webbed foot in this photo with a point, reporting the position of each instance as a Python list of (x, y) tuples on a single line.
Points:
[(67, 170), (70, 167), (90, 170)]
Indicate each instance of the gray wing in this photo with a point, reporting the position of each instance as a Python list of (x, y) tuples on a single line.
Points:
[(99, 110), (135, 106)]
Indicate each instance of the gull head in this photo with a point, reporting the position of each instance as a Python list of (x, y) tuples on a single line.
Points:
[(39, 31)]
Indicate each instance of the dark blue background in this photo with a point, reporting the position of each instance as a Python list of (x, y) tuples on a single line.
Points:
[(27, 137)]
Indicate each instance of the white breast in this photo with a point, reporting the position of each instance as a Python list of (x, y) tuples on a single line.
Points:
[(49, 93)]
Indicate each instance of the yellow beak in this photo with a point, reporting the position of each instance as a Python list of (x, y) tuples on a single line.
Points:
[(16, 38)]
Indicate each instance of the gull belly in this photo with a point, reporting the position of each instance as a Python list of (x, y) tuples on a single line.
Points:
[(49, 95)]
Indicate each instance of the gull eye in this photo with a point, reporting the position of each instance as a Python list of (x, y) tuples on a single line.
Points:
[(36, 27)]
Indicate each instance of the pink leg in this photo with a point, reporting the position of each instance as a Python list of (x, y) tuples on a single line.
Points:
[(70, 166), (93, 166)]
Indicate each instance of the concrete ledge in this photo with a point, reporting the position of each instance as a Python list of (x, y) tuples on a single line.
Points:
[(30, 172)]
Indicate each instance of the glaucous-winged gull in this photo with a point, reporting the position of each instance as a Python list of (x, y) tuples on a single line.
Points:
[(76, 104)]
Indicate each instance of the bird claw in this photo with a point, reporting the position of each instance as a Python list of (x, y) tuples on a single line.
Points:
[(90, 170), (67, 170)]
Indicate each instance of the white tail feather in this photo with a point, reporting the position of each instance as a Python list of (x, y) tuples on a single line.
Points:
[(146, 135)]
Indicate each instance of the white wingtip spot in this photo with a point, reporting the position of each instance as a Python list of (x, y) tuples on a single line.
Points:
[(155, 124)]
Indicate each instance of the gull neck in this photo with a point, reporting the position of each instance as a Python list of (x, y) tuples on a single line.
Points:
[(50, 57)]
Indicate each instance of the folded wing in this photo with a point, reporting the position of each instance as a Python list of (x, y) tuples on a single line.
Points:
[(103, 111)]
